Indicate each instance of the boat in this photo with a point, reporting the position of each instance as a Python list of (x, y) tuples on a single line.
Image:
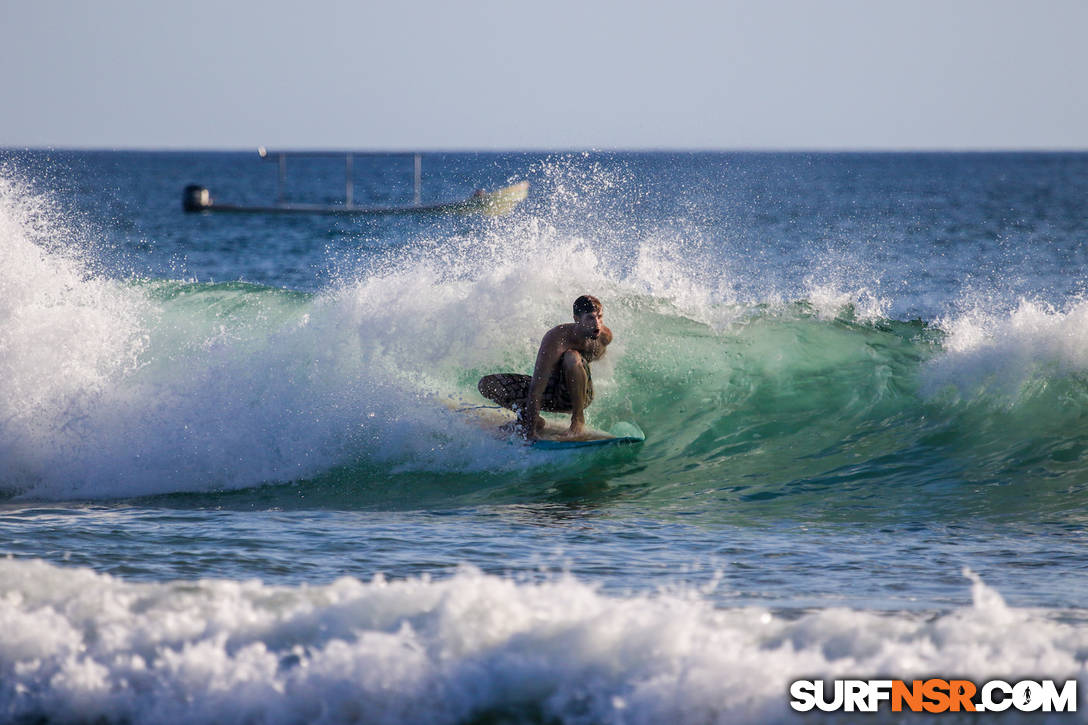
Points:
[(197, 198)]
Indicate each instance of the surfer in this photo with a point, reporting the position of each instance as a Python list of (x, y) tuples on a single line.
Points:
[(561, 381)]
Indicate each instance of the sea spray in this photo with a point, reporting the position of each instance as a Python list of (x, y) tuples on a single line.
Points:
[(67, 334)]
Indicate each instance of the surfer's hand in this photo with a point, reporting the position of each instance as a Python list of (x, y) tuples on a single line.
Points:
[(529, 432), (515, 427), (528, 435)]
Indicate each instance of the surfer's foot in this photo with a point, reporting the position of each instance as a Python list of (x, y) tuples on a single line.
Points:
[(577, 428)]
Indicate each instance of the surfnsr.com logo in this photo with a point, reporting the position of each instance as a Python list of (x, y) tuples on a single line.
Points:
[(933, 695)]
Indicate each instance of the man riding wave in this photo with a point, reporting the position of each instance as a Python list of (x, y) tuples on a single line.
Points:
[(561, 380)]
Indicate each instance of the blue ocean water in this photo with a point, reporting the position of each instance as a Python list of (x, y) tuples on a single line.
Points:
[(232, 487)]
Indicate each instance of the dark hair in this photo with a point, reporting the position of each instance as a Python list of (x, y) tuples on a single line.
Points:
[(586, 303)]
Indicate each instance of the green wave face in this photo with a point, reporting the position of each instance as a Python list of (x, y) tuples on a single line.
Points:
[(755, 412), (789, 413), (781, 405)]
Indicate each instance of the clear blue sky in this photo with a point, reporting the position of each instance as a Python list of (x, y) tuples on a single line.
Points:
[(480, 74)]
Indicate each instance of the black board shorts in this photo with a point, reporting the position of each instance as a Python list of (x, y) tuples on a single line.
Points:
[(511, 390)]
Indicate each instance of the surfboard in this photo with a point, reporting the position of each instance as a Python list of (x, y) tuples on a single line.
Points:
[(622, 433), (499, 422)]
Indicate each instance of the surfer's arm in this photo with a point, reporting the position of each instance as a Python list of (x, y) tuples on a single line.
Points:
[(547, 357)]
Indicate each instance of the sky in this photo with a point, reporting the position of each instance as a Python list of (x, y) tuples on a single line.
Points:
[(555, 75)]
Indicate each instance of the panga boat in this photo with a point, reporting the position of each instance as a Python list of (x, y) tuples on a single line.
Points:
[(197, 198)]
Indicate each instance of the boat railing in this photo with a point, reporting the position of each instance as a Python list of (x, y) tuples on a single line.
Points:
[(280, 157)]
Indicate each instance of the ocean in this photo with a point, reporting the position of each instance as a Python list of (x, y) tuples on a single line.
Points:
[(235, 488)]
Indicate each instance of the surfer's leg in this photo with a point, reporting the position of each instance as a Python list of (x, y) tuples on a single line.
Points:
[(509, 390), (576, 378)]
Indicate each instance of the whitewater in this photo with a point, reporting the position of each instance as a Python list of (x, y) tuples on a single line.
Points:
[(234, 486)]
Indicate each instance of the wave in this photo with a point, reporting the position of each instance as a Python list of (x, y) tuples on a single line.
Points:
[(816, 405), (82, 646)]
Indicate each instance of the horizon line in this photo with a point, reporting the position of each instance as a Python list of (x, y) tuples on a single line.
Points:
[(557, 150)]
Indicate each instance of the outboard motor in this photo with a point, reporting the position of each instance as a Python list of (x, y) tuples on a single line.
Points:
[(196, 198)]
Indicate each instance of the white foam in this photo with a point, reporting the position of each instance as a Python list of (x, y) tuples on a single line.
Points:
[(64, 332), (84, 645), (831, 299), (1004, 353)]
